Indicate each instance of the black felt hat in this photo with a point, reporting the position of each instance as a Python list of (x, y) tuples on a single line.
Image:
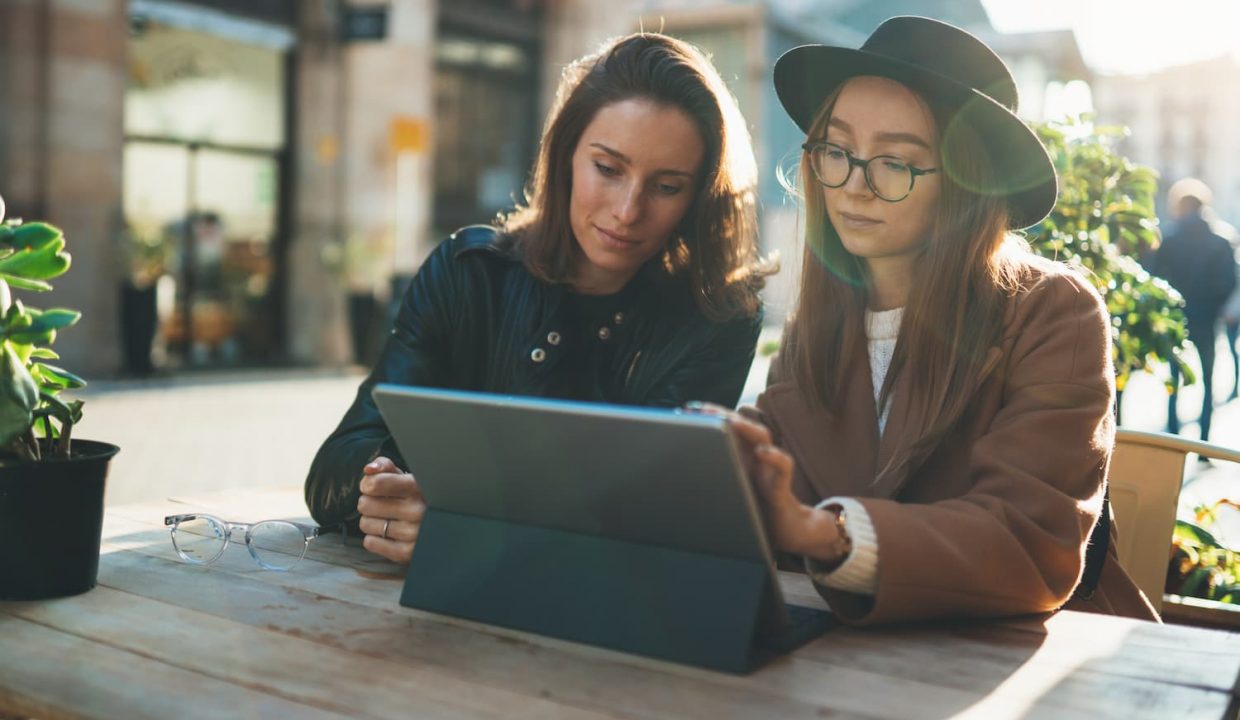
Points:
[(946, 64)]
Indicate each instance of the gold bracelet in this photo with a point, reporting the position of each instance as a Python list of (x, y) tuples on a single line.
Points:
[(843, 543)]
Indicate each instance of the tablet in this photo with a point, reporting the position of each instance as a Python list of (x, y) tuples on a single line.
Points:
[(655, 477)]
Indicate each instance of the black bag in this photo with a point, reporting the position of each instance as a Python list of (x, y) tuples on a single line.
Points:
[(1096, 553)]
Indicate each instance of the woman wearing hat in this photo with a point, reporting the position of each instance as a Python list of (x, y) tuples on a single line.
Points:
[(935, 434), (631, 276)]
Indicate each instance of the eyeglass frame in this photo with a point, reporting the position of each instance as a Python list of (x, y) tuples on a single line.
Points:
[(855, 162), (308, 532)]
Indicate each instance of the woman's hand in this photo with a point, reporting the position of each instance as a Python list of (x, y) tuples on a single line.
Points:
[(793, 526), (392, 508)]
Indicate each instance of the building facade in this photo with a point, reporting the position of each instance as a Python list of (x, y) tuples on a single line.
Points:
[(249, 182), (1180, 124)]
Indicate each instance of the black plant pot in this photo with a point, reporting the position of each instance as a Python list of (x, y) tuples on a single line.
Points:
[(51, 522)]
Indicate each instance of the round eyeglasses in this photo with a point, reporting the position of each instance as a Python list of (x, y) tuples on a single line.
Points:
[(274, 544), (889, 177)]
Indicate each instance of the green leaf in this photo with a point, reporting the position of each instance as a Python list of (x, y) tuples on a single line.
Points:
[(76, 408), (70, 412), (17, 317), (1196, 583), (61, 377), (44, 354), (25, 284), (56, 407), (33, 338), (18, 395), (40, 263), (35, 235), (55, 319), (41, 425), (1194, 534)]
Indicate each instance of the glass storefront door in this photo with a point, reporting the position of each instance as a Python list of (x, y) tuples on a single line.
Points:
[(484, 148), (204, 146), (209, 217)]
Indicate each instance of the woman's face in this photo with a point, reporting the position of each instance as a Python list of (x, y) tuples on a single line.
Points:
[(877, 116), (635, 172)]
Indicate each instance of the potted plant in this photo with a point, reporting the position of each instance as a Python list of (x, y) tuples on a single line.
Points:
[(51, 486), (1203, 575), (1200, 565)]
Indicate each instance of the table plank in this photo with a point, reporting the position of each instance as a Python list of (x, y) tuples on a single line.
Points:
[(285, 666), (994, 652), (51, 674)]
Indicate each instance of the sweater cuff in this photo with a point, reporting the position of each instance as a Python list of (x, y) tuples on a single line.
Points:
[(859, 571)]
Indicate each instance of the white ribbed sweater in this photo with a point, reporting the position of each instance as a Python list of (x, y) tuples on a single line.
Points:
[(859, 571)]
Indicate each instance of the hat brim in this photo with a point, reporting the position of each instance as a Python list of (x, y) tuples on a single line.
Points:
[(805, 76)]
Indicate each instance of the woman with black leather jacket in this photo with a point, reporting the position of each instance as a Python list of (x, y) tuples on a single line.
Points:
[(630, 276)]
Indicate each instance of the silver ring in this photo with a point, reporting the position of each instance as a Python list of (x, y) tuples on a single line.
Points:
[(385, 527)]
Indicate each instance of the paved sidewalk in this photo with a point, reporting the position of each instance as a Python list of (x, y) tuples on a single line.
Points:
[(1145, 408), (203, 432)]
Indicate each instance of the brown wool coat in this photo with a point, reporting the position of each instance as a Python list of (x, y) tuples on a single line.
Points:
[(993, 518)]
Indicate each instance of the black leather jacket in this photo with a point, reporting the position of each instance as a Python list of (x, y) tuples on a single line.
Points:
[(475, 319)]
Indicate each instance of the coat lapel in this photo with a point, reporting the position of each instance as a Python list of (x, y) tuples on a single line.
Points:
[(905, 422), (835, 455), (912, 435), (845, 455)]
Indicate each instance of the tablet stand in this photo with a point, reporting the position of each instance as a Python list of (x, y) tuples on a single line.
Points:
[(686, 607)]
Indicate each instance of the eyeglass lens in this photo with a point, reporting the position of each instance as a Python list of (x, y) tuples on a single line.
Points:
[(888, 176), (277, 545), (199, 540)]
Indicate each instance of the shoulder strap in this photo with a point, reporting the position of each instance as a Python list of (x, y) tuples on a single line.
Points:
[(1096, 552)]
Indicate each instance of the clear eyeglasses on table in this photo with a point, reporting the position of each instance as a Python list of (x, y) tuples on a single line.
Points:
[(274, 544)]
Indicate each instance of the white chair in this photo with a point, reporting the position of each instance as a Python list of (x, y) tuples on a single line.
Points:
[(1147, 471)]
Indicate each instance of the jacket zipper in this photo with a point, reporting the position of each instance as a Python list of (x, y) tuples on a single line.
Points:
[(632, 366)]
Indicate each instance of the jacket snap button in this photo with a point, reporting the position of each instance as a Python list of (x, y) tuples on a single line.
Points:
[(604, 333), (619, 318), (538, 355), (553, 338)]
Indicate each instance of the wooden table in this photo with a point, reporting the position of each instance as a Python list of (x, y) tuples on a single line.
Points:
[(162, 639)]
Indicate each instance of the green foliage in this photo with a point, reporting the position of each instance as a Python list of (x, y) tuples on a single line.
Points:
[(1103, 221), (30, 402), (1200, 566)]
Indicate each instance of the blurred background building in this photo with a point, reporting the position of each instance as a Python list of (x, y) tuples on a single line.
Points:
[(247, 182), (1181, 122)]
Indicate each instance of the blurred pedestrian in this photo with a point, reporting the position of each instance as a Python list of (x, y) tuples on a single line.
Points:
[(1198, 263), (1231, 309)]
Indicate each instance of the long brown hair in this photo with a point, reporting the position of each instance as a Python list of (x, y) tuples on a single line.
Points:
[(716, 241), (968, 266)]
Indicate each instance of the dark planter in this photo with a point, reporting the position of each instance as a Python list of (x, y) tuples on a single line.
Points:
[(51, 522)]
